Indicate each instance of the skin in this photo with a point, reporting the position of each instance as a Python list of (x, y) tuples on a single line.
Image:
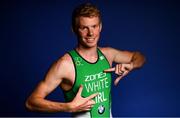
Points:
[(62, 72)]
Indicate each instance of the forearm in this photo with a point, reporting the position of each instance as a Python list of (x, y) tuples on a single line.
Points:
[(43, 105), (137, 60)]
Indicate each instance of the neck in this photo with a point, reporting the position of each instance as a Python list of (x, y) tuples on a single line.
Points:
[(89, 54), (87, 51)]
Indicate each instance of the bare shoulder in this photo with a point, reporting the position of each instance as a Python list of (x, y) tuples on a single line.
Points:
[(54, 77), (60, 68), (64, 60), (107, 51), (66, 70), (111, 50), (116, 55), (64, 64)]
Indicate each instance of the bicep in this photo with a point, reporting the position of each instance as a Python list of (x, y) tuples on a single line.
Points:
[(52, 80), (119, 56)]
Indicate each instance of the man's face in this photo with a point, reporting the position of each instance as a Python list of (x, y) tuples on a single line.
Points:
[(89, 31)]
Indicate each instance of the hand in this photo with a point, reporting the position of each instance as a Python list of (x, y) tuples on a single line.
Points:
[(121, 70), (82, 104)]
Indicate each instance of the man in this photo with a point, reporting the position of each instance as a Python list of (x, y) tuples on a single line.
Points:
[(84, 73)]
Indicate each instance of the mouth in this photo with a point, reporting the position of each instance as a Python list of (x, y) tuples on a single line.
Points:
[(90, 40)]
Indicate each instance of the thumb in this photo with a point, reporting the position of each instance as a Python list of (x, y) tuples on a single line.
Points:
[(80, 90), (117, 80), (110, 70)]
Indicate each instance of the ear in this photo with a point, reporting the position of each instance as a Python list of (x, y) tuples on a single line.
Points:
[(72, 30), (100, 27)]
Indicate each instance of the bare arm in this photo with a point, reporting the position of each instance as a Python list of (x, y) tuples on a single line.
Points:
[(124, 57), (136, 58), (37, 101), (126, 61)]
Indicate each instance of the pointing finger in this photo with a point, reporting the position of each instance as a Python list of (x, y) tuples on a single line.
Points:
[(120, 77), (110, 70), (80, 90), (117, 80), (117, 69), (92, 96)]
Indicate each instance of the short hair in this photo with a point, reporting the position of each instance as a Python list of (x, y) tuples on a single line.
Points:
[(85, 10)]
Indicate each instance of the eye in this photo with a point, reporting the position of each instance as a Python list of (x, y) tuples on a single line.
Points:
[(83, 28), (94, 26)]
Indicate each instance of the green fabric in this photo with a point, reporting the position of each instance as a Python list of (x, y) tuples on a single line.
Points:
[(94, 80)]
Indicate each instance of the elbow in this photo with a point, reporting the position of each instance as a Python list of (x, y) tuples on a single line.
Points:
[(143, 59), (139, 59), (29, 104)]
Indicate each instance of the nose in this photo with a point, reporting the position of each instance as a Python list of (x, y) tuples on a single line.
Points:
[(90, 32)]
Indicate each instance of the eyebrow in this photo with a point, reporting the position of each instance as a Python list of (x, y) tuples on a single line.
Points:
[(88, 25)]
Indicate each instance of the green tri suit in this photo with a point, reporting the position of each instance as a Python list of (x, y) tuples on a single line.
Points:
[(93, 80)]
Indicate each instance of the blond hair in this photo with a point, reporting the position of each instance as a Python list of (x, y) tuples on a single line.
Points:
[(85, 10)]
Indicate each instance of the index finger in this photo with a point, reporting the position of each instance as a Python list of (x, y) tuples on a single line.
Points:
[(109, 70), (80, 90), (92, 96)]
